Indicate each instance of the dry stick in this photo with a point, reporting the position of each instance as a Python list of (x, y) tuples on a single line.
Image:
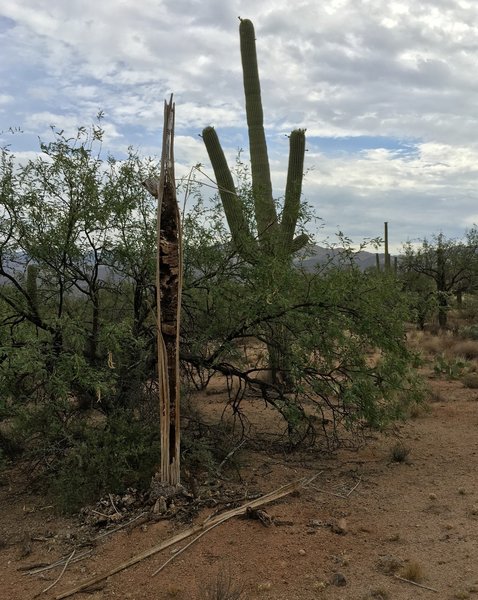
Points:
[(314, 487), (113, 504), (275, 495), (344, 497), (187, 546), (60, 575), (78, 557), (354, 488), (58, 563), (231, 453), (425, 587), (122, 526)]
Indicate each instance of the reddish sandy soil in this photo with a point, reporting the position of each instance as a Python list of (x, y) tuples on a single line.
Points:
[(417, 515)]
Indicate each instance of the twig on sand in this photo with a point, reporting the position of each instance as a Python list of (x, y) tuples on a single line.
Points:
[(122, 526), (343, 496), (60, 575), (354, 488), (424, 587), (113, 504), (34, 570), (187, 546), (40, 569), (231, 453)]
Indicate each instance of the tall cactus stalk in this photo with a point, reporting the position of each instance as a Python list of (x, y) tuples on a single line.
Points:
[(387, 255), (274, 238)]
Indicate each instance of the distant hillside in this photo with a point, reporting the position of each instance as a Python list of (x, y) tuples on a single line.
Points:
[(321, 256), (317, 255)]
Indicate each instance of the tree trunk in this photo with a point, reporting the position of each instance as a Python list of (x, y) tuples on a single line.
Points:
[(168, 297)]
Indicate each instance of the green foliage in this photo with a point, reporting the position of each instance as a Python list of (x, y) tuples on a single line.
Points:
[(451, 368), (77, 331), (123, 452), (77, 336), (449, 266), (469, 331), (345, 345)]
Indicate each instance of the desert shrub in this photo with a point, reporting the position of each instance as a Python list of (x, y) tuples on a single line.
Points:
[(470, 380), (439, 343), (399, 452), (77, 331), (338, 334), (451, 368), (469, 331), (107, 458), (467, 349)]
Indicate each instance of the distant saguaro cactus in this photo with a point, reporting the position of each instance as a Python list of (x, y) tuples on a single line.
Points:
[(275, 238), (387, 254)]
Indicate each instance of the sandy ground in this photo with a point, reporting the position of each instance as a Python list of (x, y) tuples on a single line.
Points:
[(416, 519)]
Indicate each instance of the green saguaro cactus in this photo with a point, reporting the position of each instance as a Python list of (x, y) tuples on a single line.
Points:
[(275, 237)]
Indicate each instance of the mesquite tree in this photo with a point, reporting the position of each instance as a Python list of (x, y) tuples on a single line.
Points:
[(452, 266)]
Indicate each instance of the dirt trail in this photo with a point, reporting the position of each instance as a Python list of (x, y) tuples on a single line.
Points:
[(424, 512)]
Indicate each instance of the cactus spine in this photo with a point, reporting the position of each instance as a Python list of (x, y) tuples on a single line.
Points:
[(275, 238)]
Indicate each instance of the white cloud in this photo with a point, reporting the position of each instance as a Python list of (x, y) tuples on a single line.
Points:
[(399, 70)]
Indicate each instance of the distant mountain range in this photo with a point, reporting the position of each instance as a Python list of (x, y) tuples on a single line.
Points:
[(316, 256), (319, 256)]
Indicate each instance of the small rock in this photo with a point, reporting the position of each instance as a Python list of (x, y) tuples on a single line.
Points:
[(432, 496), (302, 552), (315, 523), (338, 579)]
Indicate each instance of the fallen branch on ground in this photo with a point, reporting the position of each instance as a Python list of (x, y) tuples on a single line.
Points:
[(60, 575), (424, 587), (196, 529)]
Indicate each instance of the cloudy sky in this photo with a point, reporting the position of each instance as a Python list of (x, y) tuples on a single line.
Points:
[(388, 92)]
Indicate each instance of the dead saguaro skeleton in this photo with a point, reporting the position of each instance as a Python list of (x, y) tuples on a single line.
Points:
[(168, 296)]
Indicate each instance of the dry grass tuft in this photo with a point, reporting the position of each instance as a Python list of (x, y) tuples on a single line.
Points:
[(435, 395), (224, 588), (399, 452), (413, 571), (377, 594), (466, 348), (470, 380), (418, 409), (437, 344)]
